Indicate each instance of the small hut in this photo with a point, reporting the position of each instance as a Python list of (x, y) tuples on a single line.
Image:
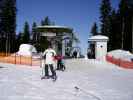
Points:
[(100, 46)]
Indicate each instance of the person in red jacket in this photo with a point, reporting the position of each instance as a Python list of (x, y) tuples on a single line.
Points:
[(60, 64)]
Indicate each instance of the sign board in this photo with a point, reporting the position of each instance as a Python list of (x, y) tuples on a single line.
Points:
[(48, 34)]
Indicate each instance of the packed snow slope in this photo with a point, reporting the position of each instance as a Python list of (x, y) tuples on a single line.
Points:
[(82, 80)]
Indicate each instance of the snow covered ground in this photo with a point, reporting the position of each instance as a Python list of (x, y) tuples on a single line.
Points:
[(121, 54), (82, 80)]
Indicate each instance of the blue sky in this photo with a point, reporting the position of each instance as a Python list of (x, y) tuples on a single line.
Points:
[(77, 14)]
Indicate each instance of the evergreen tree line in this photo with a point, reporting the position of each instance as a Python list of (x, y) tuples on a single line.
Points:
[(9, 40), (7, 25), (116, 24)]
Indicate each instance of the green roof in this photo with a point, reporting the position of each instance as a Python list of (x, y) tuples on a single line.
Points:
[(54, 29)]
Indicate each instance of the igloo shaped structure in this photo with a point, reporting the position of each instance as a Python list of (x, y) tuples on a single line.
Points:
[(26, 50)]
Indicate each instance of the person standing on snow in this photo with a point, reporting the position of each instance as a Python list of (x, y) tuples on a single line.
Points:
[(49, 55), (59, 62), (75, 54)]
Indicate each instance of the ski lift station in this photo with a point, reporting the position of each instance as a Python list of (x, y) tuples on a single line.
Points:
[(100, 46), (59, 36)]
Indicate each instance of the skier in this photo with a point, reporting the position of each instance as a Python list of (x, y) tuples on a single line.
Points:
[(75, 54), (49, 63), (60, 63)]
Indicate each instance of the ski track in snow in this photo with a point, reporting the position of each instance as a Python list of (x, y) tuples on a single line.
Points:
[(96, 81)]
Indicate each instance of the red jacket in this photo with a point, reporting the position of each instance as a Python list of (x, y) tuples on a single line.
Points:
[(58, 57)]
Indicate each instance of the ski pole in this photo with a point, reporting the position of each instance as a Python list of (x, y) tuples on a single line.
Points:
[(42, 66), (77, 88), (42, 71)]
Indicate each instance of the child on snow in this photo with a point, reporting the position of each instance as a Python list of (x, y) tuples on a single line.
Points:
[(49, 55), (60, 62)]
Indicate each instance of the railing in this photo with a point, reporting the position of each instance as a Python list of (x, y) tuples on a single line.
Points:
[(120, 62)]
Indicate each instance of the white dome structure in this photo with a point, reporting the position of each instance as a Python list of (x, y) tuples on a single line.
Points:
[(26, 50)]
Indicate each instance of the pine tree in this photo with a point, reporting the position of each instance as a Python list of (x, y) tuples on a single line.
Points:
[(18, 40), (94, 30), (1, 6), (46, 21), (26, 33), (8, 23), (105, 10), (105, 17), (115, 34), (34, 33), (130, 5), (125, 18)]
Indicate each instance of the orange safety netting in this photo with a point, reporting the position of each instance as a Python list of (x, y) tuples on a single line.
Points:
[(119, 62), (18, 59)]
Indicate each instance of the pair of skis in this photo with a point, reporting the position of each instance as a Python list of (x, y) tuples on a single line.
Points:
[(54, 78), (42, 65)]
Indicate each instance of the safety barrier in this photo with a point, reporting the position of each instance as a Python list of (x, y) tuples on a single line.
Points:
[(120, 62), (18, 59)]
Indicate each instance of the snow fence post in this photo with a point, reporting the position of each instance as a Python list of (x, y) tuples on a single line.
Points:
[(15, 58), (20, 59), (119, 62), (31, 60)]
